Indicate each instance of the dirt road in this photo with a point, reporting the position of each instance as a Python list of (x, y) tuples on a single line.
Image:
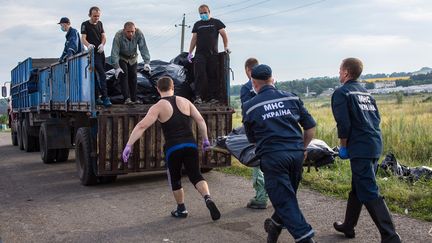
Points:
[(46, 203)]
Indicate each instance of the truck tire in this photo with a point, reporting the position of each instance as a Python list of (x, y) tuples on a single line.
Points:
[(62, 155), (84, 162), (107, 179), (29, 142), (19, 136), (47, 155), (14, 138)]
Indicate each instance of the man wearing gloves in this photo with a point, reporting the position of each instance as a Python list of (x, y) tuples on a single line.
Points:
[(73, 43), (357, 118), (93, 37), (124, 57), (205, 36), (175, 114)]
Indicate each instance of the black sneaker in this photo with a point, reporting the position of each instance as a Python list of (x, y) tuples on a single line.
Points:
[(214, 211), (213, 101), (128, 101), (179, 214), (273, 230), (137, 102), (198, 101), (254, 204)]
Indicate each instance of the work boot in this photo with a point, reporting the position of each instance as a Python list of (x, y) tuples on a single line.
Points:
[(308, 240), (380, 214), (128, 101), (352, 215), (273, 230), (254, 204), (106, 102)]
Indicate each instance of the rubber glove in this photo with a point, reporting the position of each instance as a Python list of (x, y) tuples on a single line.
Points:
[(343, 153), (189, 57), (117, 72), (227, 50), (147, 67), (100, 48), (126, 153), (90, 47), (205, 145)]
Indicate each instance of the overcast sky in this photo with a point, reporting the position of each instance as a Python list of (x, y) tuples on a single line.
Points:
[(297, 38)]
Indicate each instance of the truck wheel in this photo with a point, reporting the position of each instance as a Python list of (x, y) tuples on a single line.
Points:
[(84, 162), (47, 155), (62, 154), (107, 179), (28, 141), (19, 136), (14, 137)]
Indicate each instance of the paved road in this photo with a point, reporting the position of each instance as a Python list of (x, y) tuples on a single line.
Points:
[(46, 203)]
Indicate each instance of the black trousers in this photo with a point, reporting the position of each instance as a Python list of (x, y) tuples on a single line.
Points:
[(101, 86), (128, 80), (206, 76)]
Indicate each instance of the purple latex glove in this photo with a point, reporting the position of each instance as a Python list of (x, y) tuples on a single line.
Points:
[(189, 57), (205, 145), (126, 153)]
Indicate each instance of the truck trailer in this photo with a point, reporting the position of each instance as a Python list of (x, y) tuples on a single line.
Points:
[(54, 110)]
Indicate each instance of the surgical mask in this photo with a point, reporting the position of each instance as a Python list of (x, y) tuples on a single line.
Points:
[(62, 28), (204, 17)]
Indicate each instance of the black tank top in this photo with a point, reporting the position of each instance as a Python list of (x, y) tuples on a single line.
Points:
[(178, 129)]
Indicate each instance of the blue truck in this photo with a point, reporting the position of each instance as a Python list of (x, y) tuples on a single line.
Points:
[(54, 110)]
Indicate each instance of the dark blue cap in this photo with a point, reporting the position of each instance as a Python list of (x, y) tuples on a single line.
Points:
[(261, 72), (64, 20)]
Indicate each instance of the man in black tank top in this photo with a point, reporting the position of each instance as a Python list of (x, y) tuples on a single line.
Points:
[(176, 114)]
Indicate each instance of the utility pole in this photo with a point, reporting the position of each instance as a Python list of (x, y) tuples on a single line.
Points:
[(183, 25)]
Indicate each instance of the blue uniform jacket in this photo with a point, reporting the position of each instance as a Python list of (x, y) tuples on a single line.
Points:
[(272, 120), (72, 45), (246, 92), (358, 119)]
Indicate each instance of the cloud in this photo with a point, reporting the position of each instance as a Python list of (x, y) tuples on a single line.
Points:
[(372, 41)]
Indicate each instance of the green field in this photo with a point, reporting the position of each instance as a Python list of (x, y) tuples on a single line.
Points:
[(406, 124)]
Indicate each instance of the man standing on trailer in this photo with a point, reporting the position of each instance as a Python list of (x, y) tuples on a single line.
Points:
[(124, 57), (94, 38), (175, 114), (73, 43), (357, 118), (205, 36)]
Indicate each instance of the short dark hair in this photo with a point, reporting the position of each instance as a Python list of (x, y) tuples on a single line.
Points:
[(128, 24), (251, 62), (165, 83), (94, 8), (354, 67), (204, 6)]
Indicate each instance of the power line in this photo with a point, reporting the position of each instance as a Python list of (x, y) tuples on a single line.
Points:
[(278, 12), (246, 7)]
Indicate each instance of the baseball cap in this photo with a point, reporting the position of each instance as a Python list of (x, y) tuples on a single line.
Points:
[(64, 20), (261, 72)]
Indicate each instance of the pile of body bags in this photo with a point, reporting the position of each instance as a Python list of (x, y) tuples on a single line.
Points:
[(179, 69)]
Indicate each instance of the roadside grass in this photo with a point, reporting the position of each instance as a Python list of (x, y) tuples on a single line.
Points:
[(407, 132)]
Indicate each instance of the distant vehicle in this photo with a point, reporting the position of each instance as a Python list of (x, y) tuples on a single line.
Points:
[(53, 110)]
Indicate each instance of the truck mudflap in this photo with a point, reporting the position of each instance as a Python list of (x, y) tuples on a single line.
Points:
[(114, 128)]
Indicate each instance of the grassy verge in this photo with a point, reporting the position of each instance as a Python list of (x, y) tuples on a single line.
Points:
[(412, 199)]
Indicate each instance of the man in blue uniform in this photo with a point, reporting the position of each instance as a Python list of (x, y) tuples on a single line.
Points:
[(358, 119), (73, 43), (247, 93), (273, 120)]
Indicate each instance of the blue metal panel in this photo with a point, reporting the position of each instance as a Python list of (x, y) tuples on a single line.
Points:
[(43, 86), (58, 81)]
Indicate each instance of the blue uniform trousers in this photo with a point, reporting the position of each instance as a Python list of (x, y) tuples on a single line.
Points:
[(101, 86), (282, 175), (363, 178)]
